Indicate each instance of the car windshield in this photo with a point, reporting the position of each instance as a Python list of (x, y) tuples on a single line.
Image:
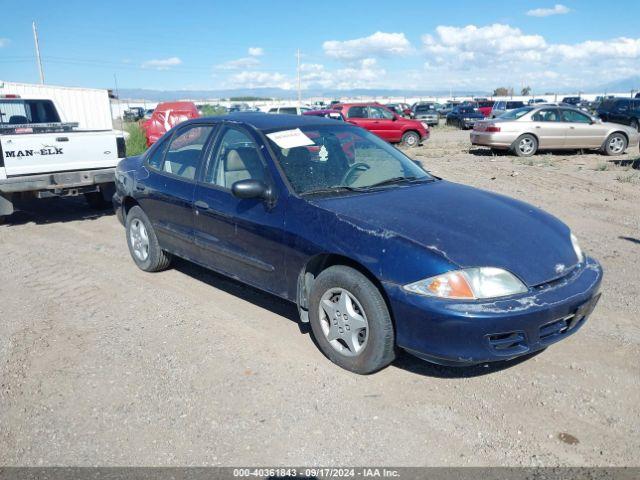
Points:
[(515, 114), (425, 108), (330, 159)]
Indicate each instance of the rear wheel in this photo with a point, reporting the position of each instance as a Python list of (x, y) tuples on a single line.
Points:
[(143, 243), (350, 321), (525, 146), (410, 139), (616, 144)]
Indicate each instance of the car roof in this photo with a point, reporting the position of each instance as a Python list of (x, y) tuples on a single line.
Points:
[(264, 121)]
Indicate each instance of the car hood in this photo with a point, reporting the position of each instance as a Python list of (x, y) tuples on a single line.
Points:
[(467, 226)]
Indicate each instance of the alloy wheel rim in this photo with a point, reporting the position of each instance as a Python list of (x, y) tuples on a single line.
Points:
[(526, 146), (139, 240), (616, 144), (411, 140), (343, 322)]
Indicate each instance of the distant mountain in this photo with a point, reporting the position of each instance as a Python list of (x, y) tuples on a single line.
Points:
[(623, 85), (278, 93)]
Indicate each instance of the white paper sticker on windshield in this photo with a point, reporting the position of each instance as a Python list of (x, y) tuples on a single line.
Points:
[(290, 138)]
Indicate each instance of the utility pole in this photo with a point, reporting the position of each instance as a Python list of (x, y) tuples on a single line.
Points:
[(298, 70), (35, 39)]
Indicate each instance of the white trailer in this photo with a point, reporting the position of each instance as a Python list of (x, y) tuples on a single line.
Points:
[(88, 107)]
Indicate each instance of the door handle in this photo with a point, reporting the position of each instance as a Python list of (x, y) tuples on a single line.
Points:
[(572, 128), (538, 126), (62, 139), (201, 205)]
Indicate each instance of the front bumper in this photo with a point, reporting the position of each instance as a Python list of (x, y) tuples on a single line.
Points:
[(465, 333)]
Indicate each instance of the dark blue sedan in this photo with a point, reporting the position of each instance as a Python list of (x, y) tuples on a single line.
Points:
[(378, 254), (464, 117)]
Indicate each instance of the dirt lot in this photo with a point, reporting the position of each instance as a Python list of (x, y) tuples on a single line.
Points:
[(104, 364)]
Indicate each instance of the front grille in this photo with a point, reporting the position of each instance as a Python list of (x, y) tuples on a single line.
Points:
[(558, 328), (508, 343)]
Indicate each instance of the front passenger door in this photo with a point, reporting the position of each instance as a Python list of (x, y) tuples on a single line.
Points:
[(239, 237)]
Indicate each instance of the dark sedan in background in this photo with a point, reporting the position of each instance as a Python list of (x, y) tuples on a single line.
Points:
[(376, 253), (464, 117)]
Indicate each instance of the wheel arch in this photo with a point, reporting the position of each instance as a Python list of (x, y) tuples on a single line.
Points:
[(320, 262), (127, 204)]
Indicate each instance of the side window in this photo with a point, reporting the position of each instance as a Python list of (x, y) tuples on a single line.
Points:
[(156, 156), (289, 110), (574, 117), (236, 158), (378, 112), (273, 110), (547, 115), (358, 112), (183, 153)]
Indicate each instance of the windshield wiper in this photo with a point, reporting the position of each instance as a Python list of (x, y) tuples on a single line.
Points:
[(333, 189), (396, 180)]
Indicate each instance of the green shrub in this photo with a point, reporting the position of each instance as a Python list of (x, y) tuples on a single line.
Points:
[(212, 110), (137, 141)]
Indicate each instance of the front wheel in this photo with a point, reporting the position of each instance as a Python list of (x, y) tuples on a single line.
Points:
[(410, 139), (525, 146), (616, 144), (350, 321), (143, 243)]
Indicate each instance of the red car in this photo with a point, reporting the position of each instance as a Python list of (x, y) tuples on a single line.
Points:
[(383, 122), (166, 116), (485, 107)]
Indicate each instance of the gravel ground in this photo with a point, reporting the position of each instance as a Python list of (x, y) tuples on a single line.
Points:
[(103, 364)]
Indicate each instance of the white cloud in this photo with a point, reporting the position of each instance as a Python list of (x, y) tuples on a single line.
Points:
[(558, 9), (163, 64), (4, 42), (377, 44), (501, 53), (256, 79), (240, 63), (256, 51)]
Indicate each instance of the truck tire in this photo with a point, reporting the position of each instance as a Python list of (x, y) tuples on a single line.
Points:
[(143, 243), (96, 201), (101, 200)]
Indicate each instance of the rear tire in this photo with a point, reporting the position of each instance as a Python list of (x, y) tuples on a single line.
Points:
[(372, 346), (525, 146), (143, 243), (96, 201), (615, 144), (410, 139)]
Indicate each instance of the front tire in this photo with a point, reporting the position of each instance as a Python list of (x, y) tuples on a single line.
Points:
[(615, 144), (350, 321), (525, 146), (143, 243), (410, 139)]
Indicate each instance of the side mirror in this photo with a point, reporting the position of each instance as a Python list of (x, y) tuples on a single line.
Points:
[(251, 189), (395, 117)]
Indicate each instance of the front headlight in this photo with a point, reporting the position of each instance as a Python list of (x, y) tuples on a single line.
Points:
[(576, 248), (425, 125), (469, 284)]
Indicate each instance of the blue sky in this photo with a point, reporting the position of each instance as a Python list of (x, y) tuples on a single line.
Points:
[(344, 44)]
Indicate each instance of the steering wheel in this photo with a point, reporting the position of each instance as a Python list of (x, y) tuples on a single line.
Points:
[(356, 167)]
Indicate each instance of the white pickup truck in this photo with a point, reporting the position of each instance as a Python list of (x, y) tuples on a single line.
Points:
[(40, 156)]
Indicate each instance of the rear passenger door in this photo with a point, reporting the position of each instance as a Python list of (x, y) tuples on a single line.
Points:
[(548, 127), (239, 237), (166, 195), (621, 111)]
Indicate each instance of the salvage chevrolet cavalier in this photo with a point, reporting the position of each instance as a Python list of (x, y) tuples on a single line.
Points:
[(378, 254)]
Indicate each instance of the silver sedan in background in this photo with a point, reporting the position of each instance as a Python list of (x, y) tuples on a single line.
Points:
[(526, 130)]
